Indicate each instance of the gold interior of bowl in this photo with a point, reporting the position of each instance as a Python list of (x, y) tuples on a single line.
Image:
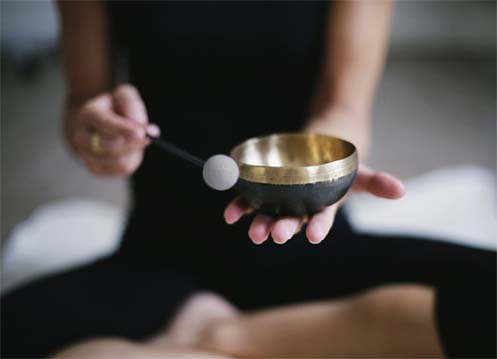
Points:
[(295, 158)]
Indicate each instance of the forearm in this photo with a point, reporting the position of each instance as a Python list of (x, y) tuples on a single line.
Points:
[(356, 46), (86, 49), (85, 46)]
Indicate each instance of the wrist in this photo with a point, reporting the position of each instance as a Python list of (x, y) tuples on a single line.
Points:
[(351, 124), (69, 125), (336, 112)]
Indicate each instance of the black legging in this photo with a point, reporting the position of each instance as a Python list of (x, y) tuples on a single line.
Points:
[(120, 296)]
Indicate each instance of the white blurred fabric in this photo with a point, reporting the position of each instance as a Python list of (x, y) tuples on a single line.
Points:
[(452, 204), (57, 236), (456, 204)]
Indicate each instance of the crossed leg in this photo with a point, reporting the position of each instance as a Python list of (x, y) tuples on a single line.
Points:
[(388, 321), (177, 340), (120, 348)]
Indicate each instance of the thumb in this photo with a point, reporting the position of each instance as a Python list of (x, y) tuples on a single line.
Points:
[(127, 102), (378, 183)]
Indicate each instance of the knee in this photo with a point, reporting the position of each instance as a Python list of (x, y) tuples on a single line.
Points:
[(225, 336)]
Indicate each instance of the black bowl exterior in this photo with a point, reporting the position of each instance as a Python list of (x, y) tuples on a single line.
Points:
[(294, 200), (294, 174)]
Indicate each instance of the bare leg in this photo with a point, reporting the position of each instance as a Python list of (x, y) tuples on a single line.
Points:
[(193, 319), (123, 349), (390, 321)]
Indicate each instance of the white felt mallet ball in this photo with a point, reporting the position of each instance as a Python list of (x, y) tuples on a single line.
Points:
[(220, 172)]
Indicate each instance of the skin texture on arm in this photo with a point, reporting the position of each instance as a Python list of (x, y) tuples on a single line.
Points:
[(355, 51), (104, 126), (86, 54), (357, 40)]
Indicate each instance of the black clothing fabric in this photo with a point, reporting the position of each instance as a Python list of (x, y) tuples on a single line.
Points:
[(466, 314), (213, 74), (117, 296)]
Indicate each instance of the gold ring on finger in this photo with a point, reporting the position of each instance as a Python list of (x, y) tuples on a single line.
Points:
[(96, 144)]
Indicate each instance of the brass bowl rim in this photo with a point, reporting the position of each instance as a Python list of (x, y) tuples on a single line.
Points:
[(294, 175)]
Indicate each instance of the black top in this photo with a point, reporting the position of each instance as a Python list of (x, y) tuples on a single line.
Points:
[(213, 74)]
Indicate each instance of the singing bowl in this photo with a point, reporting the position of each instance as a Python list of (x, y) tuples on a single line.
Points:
[(294, 174)]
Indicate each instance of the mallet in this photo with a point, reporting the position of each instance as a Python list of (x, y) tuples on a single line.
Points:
[(220, 172)]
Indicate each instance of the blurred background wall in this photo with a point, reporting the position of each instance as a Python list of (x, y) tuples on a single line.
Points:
[(435, 105)]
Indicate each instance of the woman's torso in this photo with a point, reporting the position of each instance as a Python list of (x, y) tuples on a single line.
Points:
[(212, 74)]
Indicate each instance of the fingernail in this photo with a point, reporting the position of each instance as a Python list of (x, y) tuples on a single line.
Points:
[(281, 241), (153, 130), (287, 235), (319, 233), (315, 242), (230, 219)]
